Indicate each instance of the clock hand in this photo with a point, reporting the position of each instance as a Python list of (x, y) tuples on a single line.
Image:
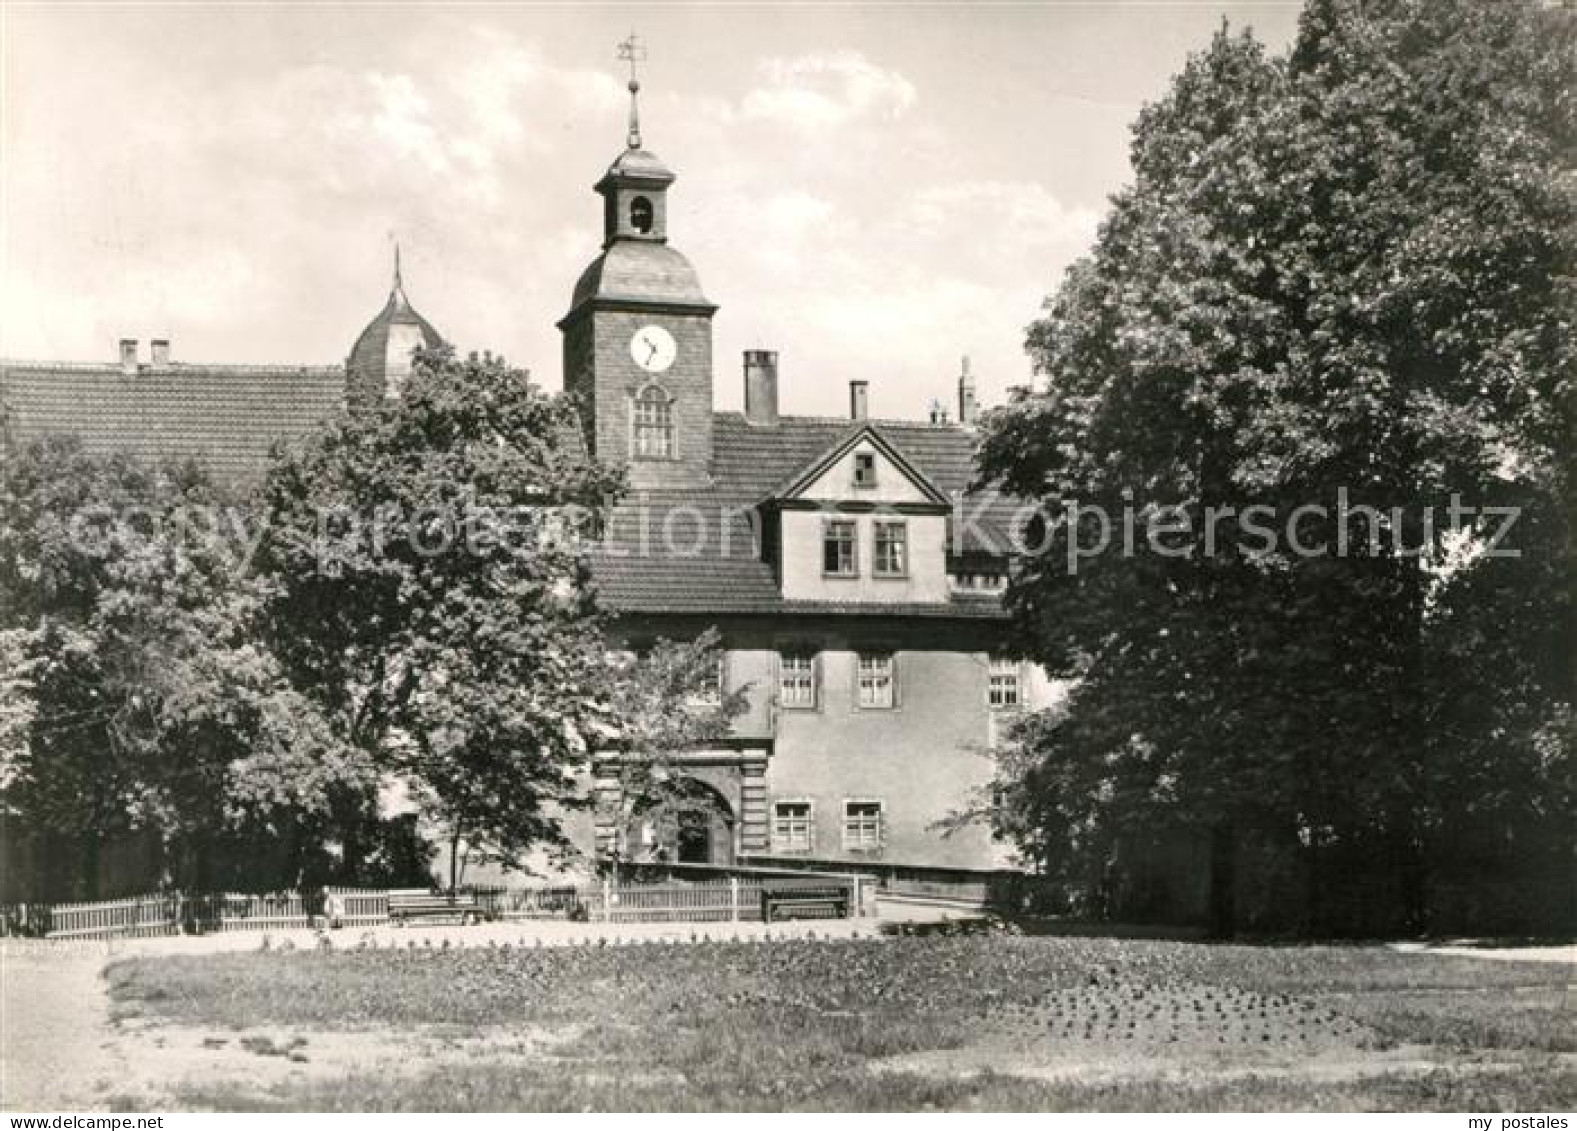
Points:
[(651, 349)]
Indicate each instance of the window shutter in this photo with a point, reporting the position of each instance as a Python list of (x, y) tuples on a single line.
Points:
[(897, 683)]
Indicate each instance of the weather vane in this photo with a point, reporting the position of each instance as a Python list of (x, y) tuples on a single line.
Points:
[(633, 51), (394, 238)]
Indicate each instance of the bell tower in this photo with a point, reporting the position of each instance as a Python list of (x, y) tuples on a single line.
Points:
[(638, 335)]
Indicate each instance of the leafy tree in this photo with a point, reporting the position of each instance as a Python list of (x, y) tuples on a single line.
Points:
[(424, 586), (133, 699), (667, 698), (1345, 274)]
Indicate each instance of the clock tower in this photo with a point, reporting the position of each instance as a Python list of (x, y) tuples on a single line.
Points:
[(638, 335)]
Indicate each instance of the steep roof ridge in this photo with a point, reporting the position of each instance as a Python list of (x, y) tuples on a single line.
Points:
[(111, 367), (952, 427), (820, 463)]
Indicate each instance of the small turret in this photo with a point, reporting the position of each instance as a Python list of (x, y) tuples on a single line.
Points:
[(380, 361)]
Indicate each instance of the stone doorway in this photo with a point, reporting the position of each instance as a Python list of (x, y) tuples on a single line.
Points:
[(695, 839), (683, 821)]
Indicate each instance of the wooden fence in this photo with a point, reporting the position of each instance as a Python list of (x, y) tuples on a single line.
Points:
[(141, 916), (709, 900), (144, 916), (705, 899)]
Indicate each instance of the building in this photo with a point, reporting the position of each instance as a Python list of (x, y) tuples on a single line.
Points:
[(854, 577), (229, 416), (859, 613)]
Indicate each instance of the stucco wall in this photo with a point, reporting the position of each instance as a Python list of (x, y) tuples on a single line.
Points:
[(921, 758), (801, 558), (753, 671)]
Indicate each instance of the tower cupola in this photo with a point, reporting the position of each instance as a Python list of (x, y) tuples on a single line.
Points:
[(380, 361), (638, 334), (634, 194), (635, 188)]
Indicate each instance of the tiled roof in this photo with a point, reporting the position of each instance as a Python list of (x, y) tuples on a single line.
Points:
[(696, 551), (231, 415), (228, 415), (806, 475)]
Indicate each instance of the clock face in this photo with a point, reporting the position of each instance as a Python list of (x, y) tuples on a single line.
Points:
[(653, 349)]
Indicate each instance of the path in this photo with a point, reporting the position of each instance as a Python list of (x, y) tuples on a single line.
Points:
[(1565, 954), (57, 1050)]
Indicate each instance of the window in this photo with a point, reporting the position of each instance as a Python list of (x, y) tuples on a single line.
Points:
[(877, 680), (654, 426), (641, 215), (838, 558), (792, 827), (797, 680), (1003, 691), (711, 692), (892, 550), (864, 469), (862, 825)]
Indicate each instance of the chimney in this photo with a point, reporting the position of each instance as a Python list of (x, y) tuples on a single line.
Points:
[(128, 356), (161, 351), (967, 409), (859, 400), (761, 386)]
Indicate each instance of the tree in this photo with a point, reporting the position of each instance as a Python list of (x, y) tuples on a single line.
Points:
[(668, 698), (1340, 276), (423, 583), (133, 699)]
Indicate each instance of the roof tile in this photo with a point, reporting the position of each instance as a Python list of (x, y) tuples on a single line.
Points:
[(229, 415), (697, 551), (232, 415)]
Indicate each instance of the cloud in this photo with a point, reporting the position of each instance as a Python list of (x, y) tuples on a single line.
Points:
[(251, 223), (1021, 214), (826, 89), (403, 117)]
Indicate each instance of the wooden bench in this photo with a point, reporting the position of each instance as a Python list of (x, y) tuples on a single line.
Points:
[(783, 903), (418, 903)]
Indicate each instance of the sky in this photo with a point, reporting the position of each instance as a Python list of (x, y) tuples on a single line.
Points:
[(873, 191)]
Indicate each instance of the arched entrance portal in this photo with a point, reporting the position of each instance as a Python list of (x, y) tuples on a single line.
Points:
[(681, 821)]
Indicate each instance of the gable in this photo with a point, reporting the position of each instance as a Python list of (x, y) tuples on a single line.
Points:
[(862, 467)]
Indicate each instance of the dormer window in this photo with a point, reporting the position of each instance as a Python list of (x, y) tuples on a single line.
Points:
[(838, 556), (892, 550), (865, 469), (641, 215), (654, 426)]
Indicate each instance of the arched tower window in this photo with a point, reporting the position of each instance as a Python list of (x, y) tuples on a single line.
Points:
[(641, 215), (654, 425)]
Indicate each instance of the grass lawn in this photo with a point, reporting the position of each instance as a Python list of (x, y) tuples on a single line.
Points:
[(992, 1022)]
